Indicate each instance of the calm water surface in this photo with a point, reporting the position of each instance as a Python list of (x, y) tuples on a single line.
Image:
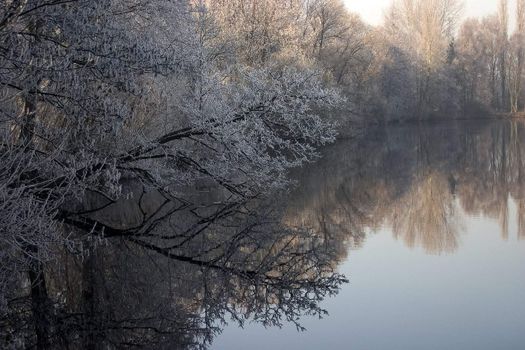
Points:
[(429, 226)]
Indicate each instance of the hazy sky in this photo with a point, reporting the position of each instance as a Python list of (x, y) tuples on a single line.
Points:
[(372, 10)]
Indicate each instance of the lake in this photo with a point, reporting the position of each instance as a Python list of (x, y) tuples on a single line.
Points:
[(428, 222), (410, 237)]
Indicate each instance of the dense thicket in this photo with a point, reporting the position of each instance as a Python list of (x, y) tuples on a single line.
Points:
[(142, 124)]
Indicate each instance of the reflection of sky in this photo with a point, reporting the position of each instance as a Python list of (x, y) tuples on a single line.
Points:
[(372, 10), (400, 298)]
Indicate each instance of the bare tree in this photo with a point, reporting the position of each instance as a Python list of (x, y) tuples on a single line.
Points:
[(517, 57), (503, 50), (423, 30), (478, 56)]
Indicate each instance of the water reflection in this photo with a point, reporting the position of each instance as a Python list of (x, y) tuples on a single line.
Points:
[(420, 181), (168, 274), (171, 273)]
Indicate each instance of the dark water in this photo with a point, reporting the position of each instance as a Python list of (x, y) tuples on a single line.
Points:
[(429, 225)]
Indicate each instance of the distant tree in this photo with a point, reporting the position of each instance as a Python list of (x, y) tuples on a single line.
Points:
[(477, 61), (517, 57), (423, 31), (503, 17)]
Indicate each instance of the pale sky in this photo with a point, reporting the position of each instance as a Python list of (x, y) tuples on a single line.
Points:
[(372, 10)]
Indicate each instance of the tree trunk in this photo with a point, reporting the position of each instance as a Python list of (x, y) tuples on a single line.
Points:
[(515, 88), (503, 81), (27, 127), (40, 304), (88, 299)]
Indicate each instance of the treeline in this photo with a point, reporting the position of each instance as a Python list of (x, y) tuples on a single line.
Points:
[(490, 61), (421, 63), (432, 66)]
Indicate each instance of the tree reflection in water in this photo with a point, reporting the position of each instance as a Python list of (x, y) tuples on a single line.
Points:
[(418, 180), (161, 273), (158, 273)]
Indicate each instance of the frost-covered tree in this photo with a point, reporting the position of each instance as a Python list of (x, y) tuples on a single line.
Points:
[(477, 49), (97, 94), (517, 58), (490, 63), (259, 32), (423, 30)]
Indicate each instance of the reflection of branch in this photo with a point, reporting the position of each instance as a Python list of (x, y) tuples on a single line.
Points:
[(201, 263)]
